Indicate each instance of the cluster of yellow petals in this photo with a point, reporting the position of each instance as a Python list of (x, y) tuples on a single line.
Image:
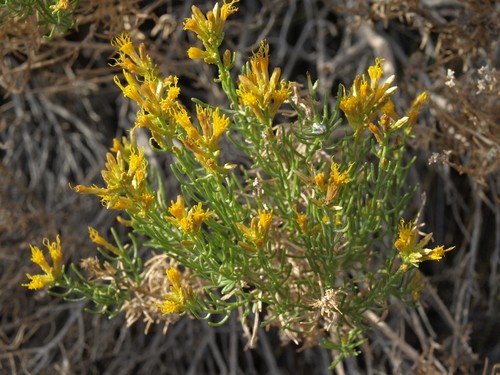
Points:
[(335, 181), (51, 273), (60, 6), (204, 144), (189, 221), (259, 228), (262, 93), (209, 28), (138, 63), (412, 250), (176, 301), (126, 180), (368, 100), (365, 99), (156, 96), (160, 110), (302, 221)]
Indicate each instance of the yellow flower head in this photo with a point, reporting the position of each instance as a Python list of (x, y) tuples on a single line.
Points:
[(335, 181), (60, 6), (51, 273), (265, 220), (302, 221), (259, 228), (375, 73), (126, 180), (177, 209), (213, 125), (189, 221), (203, 139), (407, 239), (136, 62), (168, 92), (124, 44), (336, 177), (198, 215), (177, 300), (209, 28), (183, 119), (413, 251), (262, 93), (365, 99)]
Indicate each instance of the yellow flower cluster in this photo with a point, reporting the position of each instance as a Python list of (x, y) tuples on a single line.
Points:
[(301, 220), (205, 146), (178, 298), (261, 93), (51, 273), (125, 176), (160, 110), (59, 6), (411, 250), (136, 63), (209, 29), (189, 221), (366, 100), (259, 229), (156, 96), (212, 123), (335, 181)]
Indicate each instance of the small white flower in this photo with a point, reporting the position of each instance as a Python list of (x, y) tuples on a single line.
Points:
[(450, 78), (488, 79)]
